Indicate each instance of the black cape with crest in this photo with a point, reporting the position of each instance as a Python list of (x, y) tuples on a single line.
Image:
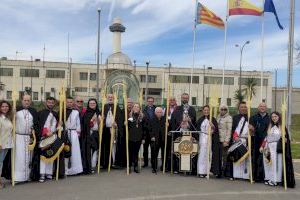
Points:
[(88, 141)]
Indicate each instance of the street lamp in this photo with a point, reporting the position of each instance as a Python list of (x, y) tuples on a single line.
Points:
[(241, 57), (147, 82), (98, 52)]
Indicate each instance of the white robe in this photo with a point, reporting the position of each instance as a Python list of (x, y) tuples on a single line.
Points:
[(73, 127), (50, 124), (242, 170), (273, 170), (23, 157), (203, 147)]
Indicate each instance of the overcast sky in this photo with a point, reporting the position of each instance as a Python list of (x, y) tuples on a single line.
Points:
[(157, 30)]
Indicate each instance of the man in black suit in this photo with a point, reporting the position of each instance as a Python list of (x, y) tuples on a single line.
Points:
[(149, 112)]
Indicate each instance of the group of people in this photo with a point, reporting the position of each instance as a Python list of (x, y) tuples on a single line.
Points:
[(77, 152)]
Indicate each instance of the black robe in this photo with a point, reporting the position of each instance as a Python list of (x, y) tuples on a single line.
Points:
[(120, 138), (260, 125), (88, 142), (216, 160), (176, 119), (6, 171), (177, 115), (43, 115), (228, 172)]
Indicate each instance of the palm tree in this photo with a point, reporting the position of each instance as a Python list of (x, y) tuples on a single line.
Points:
[(250, 84), (238, 96)]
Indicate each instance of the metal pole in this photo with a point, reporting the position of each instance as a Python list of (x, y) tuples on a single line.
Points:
[(31, 90), (240, 85), (147, 82), (98, 52), (203, 87), (290, 65), (225, 57), (276, 89), (45, 72), (262, 52)]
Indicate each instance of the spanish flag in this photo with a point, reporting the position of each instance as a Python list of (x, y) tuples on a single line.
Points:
[(205, 16), (243, 7)]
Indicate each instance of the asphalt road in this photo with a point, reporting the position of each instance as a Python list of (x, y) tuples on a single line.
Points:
[(117, 185)]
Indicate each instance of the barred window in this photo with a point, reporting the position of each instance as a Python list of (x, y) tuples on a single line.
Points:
[(93, 76), (29, 72), (83, 75), (55, 74), (80, 89), (183, 79), (6, 72)]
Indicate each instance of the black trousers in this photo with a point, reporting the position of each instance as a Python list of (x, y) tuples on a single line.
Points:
[(155, 147), (105, 147), (224, 157), (134, 147), (146, 148)]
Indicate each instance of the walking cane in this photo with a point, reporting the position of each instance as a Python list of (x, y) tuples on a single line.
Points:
[(100, 131), (283, 134)]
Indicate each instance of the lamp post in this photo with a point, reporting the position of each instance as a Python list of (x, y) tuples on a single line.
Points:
[(98, 52), (147, 72), (241, 57)]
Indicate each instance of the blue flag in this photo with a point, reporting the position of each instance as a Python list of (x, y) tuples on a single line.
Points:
[(270, 7)]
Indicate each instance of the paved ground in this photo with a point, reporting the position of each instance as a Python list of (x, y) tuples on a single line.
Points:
[(117, 185)]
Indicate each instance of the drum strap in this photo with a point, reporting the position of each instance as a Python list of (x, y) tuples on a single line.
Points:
[(243, 126)]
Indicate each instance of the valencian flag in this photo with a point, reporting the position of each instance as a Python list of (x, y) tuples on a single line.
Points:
[(205, 16), (270, 7), (243, 7)]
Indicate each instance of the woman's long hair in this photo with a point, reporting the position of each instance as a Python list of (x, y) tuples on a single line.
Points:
[(278, 124), (9, 114), (141, 114)]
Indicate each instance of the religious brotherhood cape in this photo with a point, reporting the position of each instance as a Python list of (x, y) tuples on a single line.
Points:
[(216, 159)]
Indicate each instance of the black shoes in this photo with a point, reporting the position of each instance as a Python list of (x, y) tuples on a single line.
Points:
[(154, 171), (136, 170)]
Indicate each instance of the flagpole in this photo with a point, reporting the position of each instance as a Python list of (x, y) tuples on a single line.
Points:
[(225, 55), (194, 47), (262, 51), (290, 64)]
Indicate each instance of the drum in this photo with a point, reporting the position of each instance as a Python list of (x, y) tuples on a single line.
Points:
[(51, 147), (237, 152)]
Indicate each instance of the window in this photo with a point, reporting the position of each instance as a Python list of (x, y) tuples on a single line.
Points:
[(151, 78), (218, 80), (153, 91), (183, 79), (93, 76), (194, 100), (6, 72), (29, 73), (80, 89), (207, 101), (55, 74), (83, 75), (35, 96), (95, 89), (9, 95), (229, 102), (48, 94)]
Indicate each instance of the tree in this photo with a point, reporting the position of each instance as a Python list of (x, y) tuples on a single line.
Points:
[(250, 84), (238, 96)]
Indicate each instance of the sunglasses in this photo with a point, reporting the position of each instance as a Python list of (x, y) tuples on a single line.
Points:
[(79, 101)]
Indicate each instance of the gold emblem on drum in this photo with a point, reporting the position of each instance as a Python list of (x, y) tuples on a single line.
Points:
[(185, 147)]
